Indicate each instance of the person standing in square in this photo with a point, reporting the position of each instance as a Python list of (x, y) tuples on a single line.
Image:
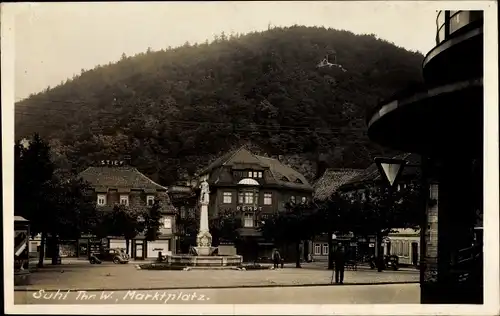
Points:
[(339, 264), (276, 258)]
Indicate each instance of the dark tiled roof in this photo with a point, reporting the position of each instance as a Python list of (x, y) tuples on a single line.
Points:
[(331, 180), (372, 174), (123, 178), (280, 170), (243, 157)]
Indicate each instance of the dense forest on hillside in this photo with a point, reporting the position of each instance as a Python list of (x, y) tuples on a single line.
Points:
[(175, 110)]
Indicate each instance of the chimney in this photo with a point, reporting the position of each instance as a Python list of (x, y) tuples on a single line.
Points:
[(127, 160), (321, 165)]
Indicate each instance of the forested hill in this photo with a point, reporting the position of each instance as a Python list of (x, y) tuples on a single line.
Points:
[(174, 110)]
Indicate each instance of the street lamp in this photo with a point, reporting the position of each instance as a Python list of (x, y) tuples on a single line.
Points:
[(390, 169)]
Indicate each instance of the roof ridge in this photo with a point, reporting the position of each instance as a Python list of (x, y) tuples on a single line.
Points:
[(234, 153), (147, 178), (85, 170), (344, 169), (270, 169)]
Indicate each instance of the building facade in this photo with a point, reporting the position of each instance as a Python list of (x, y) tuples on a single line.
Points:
[(324, 188), (253, 187), (114, 183), (404, 243), (442, 120), (372, 178)]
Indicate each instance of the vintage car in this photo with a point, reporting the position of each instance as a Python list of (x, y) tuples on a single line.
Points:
[(113, 254)]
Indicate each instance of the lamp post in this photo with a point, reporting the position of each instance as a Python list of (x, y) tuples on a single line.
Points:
[(390, 169)]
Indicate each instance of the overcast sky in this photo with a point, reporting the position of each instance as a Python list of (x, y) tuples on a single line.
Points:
[(53, 41)]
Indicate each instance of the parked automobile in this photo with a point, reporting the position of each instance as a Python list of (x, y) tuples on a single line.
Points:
[(114, 255), (390, 262)]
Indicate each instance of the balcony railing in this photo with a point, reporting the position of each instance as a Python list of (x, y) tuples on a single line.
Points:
[(449, 22)]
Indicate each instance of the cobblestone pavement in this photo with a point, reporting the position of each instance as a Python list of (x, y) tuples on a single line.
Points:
[(84, 276), (346, 294)]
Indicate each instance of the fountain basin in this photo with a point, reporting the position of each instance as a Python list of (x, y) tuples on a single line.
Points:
[(204, 261)]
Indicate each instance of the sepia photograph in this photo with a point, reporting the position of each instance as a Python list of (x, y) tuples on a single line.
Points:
[(250, 157)]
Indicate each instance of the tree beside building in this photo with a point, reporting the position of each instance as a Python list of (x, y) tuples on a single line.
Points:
[(253, 188), (138, 203)]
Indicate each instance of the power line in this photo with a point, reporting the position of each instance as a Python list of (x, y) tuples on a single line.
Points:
[(260, 127), (104, 113), (101, 129)]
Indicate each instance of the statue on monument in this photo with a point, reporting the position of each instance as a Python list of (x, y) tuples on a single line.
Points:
[(204, 192)]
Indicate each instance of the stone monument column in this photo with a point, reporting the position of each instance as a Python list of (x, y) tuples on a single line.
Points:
[(204, 238)]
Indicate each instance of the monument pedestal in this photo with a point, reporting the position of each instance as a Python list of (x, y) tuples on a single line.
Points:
[(204, 257)]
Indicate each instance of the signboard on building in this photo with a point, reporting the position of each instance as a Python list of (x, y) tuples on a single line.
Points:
[(179, 189), (112, 163), (95, 246), (248, 208)]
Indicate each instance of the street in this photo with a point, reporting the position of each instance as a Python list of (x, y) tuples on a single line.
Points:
[(346, 294), (84, 276)]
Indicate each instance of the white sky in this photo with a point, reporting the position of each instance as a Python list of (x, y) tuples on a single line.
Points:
[(53, 41)]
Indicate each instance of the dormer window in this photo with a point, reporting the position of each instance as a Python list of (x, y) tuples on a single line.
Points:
[(101, 199), (298, 181), (124, 199), (255, 174), (285, 179), (150, 200)]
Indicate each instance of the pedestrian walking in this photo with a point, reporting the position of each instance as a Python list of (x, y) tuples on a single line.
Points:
[(339, 264), (276, 258)]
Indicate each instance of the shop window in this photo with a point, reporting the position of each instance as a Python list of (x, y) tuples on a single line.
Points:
[(317, 249), (325, 249), (101, 199), (268, 199), (227, 197), (124, 200), (248, 220)]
